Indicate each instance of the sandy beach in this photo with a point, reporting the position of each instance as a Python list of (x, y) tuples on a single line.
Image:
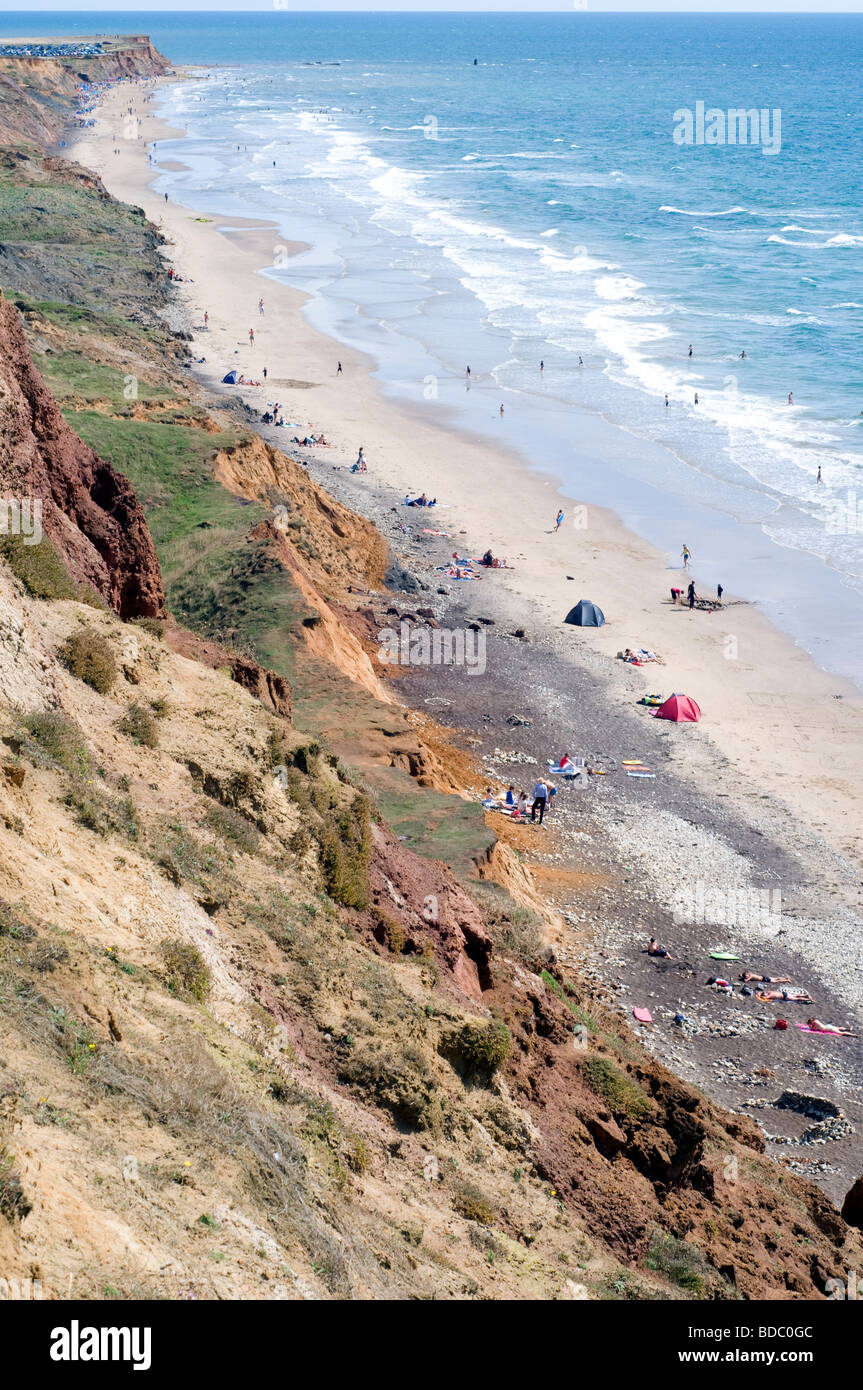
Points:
[(785, 727)]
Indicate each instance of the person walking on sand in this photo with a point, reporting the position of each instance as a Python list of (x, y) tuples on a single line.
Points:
[(166, 197), (558, 521), (540, 800), (206, 321), (265, 374), (339, 370), (261, 307), (251, 337), (687, 556)]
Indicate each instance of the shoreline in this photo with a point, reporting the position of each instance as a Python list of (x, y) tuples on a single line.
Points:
[(745, 700)]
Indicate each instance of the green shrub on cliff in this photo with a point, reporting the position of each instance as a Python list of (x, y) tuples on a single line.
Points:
[(345, 843), (139, 724), (41, 570), (619, 1091), (51, 734), (485, 1046), (186, 971), (88, 655)]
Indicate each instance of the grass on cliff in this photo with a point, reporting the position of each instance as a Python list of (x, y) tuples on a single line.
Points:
[(69, 375), (61, 238), (74, 318), (218, 580)]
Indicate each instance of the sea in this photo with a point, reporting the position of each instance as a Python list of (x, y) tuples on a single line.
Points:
[(653, 207)]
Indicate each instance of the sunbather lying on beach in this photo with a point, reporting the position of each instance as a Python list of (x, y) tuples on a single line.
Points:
[(788, 996), (640, 657), (748, 978), (818, 1027)]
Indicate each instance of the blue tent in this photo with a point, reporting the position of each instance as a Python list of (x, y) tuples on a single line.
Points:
[(231, 378), (585, 614)]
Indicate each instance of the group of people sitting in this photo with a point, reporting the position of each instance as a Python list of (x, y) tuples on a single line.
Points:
[(492, 563), (312, 441), (519, 803), (421, 501)]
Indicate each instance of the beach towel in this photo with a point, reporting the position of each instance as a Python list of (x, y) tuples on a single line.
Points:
[(643, 1015), (639, 772)]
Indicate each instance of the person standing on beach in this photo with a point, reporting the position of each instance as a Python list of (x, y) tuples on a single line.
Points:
[(687, 556), (261, 307), (558, 521), (206, 321), (339, 370), (719, 592), (251, 337), (265, 374), (690, 594), (540, 798), (166, 197)]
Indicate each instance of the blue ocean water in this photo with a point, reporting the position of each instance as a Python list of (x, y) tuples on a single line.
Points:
[(535, 205)]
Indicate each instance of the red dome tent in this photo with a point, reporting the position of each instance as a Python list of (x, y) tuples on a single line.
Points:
[(680, 708)]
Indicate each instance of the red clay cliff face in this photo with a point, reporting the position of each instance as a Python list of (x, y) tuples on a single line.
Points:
[(88, 510)]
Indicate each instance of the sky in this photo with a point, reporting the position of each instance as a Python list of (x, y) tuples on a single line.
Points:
[(490, 6)]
